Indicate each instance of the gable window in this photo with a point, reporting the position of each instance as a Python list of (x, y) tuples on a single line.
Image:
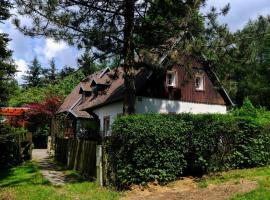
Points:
[(170, 78), (199, 82)]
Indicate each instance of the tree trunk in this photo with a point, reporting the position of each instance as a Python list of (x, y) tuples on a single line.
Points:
[(128, 53)]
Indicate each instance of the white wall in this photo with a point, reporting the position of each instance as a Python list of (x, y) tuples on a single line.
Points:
[(146, 105), (109, 110)]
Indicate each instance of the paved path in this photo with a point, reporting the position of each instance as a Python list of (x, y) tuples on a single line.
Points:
[(49, 169)]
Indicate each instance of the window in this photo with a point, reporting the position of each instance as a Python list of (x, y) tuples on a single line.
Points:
[(199, 82), (106, 125), (170, 78)]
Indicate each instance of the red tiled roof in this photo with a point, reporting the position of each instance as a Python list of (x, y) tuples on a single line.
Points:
[(13, 111)]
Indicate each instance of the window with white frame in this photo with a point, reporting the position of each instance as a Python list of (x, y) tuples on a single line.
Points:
[(170, 78), (199, 82)]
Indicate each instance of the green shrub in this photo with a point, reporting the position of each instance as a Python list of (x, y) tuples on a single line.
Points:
[(251, 144), (10, 154), (148, 147), (161, 147)]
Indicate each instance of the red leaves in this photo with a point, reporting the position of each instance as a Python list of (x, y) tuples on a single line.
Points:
[(41, 113)]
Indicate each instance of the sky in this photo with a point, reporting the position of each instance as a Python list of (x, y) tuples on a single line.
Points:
[(25, 48)]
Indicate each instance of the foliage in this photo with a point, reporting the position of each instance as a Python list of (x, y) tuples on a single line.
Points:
[(25, 182), (66, 71), (162, 147), (242, 61), (39, 119), (143, 153), (35, 94), (39, 94), (164, 19), (33, 75), (87, 65), (252, 67), (246, 110), (50, 75), (10, 154), (7, 67), (119, 28), (260, 115)]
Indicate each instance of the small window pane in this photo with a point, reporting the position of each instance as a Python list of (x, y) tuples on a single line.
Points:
[(199, 83), (170, 79)]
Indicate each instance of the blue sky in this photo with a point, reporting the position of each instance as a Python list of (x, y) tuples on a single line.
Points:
[(25, 48)]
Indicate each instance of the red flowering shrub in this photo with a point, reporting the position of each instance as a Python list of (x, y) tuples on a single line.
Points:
[(40, 117)]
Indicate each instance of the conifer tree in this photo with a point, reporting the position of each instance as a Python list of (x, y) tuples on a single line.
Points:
[(52, 71), (33, 74), (7, 67), (110, 28)]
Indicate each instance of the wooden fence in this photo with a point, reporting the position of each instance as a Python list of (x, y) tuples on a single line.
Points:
[(77, 154), (25, 145)]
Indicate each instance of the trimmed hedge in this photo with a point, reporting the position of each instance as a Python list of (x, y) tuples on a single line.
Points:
[(158, 147)]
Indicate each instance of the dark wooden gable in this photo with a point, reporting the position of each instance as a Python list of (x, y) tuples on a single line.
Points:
[(184, 88)]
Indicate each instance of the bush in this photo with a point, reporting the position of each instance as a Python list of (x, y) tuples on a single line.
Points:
[(10, 154), (148, 147), (157, 147)]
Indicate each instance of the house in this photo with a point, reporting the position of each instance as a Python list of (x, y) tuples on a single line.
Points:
[(99, 98)]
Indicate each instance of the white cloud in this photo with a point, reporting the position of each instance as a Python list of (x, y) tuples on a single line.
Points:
[(52, 48), (22, 68), (241, 11)]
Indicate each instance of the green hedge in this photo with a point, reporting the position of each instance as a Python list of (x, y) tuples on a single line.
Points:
[(160, 147)]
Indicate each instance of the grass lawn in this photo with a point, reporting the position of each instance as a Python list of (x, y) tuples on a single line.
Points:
[(26, 182), (261, 175)]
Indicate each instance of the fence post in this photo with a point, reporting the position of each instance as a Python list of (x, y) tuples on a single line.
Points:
[(99, 164), (49, 144)]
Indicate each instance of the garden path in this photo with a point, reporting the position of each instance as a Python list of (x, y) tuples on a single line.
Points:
[(49, 169)]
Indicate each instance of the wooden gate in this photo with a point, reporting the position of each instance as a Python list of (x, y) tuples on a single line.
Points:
[(77, 154)]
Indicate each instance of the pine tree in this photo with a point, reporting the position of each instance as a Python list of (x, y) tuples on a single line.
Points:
[(115, 28), (33, 75), (109, 27), (66, 71), (7, 67), (86, 64), (52, 71)]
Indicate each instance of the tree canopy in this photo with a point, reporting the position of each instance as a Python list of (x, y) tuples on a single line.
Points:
[(109, 28), (246, 70), (7, 67), (33, 74), (126, 29)]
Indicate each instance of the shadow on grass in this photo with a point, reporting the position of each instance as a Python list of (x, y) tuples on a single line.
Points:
[(67, 175), (25, 174), (4, 173)]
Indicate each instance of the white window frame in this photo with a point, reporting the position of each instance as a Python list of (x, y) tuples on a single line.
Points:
[(201, 86), (173, 82)]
